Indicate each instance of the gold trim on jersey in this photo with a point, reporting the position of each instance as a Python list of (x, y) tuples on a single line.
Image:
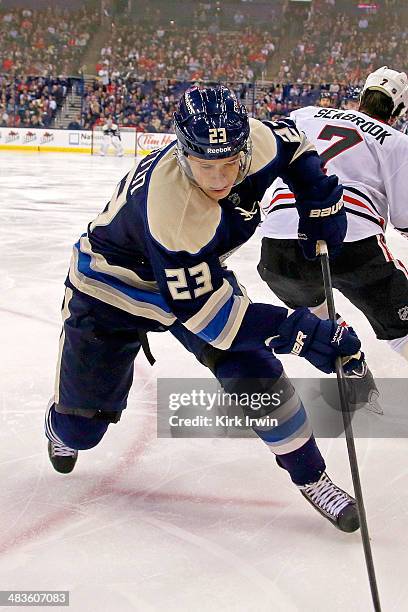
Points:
[(115, 204), (304, 147), (65, 314), (114, 297), (212, 306), (180, 215), (99, 264), (227, 336), (264, 147)]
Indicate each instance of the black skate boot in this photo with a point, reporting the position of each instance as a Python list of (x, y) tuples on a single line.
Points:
[(62, 457), (362, 390), (333, 503)]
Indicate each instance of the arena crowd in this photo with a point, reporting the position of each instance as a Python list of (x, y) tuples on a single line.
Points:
[(144, 66)]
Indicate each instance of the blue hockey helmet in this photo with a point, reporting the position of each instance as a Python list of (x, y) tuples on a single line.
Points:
[(211, 124)]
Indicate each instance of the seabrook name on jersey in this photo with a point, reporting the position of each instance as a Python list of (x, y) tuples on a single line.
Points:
[(365, 125)]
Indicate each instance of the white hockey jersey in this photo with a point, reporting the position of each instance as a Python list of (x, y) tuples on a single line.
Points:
[(111, 130), (371, 160)]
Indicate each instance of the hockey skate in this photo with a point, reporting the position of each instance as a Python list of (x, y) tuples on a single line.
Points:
[(333, 503), (362, 390), (62, 457)]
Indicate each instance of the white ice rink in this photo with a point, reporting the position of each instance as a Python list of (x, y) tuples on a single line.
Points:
[(177, 525)]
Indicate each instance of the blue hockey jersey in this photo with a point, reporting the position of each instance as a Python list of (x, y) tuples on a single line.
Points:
[(157, 249)]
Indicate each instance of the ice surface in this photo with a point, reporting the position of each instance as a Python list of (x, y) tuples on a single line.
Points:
[(146, 524)]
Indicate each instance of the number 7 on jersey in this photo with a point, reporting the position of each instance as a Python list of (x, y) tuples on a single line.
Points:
[(349, 137)]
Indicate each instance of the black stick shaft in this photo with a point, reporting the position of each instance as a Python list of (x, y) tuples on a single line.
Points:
[(345, 409)]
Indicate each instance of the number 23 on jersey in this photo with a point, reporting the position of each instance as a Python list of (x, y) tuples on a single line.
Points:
[(178, 285)]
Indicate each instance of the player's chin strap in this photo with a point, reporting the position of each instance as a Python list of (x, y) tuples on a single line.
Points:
[(145, 346), (245, 162)]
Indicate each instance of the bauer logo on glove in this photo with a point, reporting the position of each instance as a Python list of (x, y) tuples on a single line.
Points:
[(321, 217), (299, 344), (320, 342), (326, 212)]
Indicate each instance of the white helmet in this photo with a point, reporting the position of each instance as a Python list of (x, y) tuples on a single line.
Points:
[(394, 84)]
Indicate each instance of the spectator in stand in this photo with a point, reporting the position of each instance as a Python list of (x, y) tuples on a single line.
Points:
[(43, 96), (147, 53), (338, 46), (144, 67), (42, 42), (75, 124)]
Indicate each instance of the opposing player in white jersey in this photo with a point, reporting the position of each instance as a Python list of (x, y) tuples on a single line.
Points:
[(111, 135), (371, 160)]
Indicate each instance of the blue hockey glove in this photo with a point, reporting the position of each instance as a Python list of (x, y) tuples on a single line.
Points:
[(320, 342), (322, 217)]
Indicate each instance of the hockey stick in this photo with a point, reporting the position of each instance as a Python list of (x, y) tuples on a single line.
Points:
[(345, 410)]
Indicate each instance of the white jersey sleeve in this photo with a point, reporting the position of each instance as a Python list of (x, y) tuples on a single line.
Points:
[(112, 130), (395, 183), (369, 157)]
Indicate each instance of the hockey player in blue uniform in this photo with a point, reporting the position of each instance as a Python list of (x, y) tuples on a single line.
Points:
[(153, 261)]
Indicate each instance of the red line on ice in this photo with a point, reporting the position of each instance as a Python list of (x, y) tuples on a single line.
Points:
[(47, 523), (196, 497)]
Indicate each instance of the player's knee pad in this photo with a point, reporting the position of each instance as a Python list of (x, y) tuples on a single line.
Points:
[(270, 397)]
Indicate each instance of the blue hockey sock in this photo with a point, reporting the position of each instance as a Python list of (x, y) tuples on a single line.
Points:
[(305, 464)]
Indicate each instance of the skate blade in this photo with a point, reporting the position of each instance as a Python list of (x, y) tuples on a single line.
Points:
[(370, 405), (374, 406)]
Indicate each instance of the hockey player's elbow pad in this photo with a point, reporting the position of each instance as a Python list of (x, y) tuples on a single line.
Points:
[(318, 341)]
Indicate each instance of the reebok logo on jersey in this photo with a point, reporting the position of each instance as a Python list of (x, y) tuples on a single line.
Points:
[(338, 334), (299, 343), (326, 212)]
